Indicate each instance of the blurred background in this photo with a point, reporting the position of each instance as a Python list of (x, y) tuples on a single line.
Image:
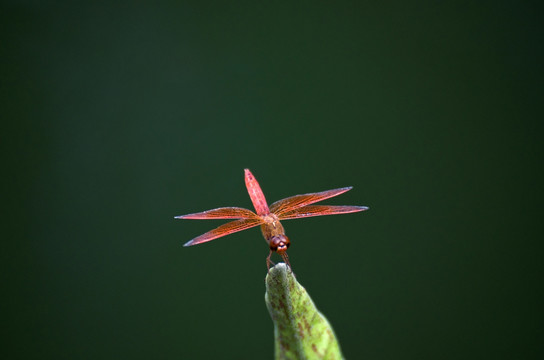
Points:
[(116, 118)]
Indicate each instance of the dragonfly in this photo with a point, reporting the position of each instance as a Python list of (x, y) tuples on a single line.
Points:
[(294, 207)]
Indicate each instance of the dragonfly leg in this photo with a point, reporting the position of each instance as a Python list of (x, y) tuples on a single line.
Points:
[(269, 261), (286, 260)]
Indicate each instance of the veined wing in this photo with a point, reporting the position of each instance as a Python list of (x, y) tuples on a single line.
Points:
[(319, 210), (225, 229), (294, 202), (221, 213)]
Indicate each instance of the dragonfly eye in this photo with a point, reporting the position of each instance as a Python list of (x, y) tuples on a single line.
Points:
[(279, 243)]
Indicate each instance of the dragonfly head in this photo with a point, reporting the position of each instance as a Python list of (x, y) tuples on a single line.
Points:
[(279, 243)]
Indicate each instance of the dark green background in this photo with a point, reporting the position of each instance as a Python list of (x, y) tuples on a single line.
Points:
[(117, 118)]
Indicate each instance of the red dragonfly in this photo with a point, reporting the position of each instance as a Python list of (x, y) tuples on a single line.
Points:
[(298, 206)]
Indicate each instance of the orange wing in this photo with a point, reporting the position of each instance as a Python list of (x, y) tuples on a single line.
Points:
[(225, 229), (294, 202), (221, 213), (319, 210)]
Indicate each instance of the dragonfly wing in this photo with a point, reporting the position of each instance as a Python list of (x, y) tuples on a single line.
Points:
[(225, 229), (294, 202), (319, 210), (221, 213)]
